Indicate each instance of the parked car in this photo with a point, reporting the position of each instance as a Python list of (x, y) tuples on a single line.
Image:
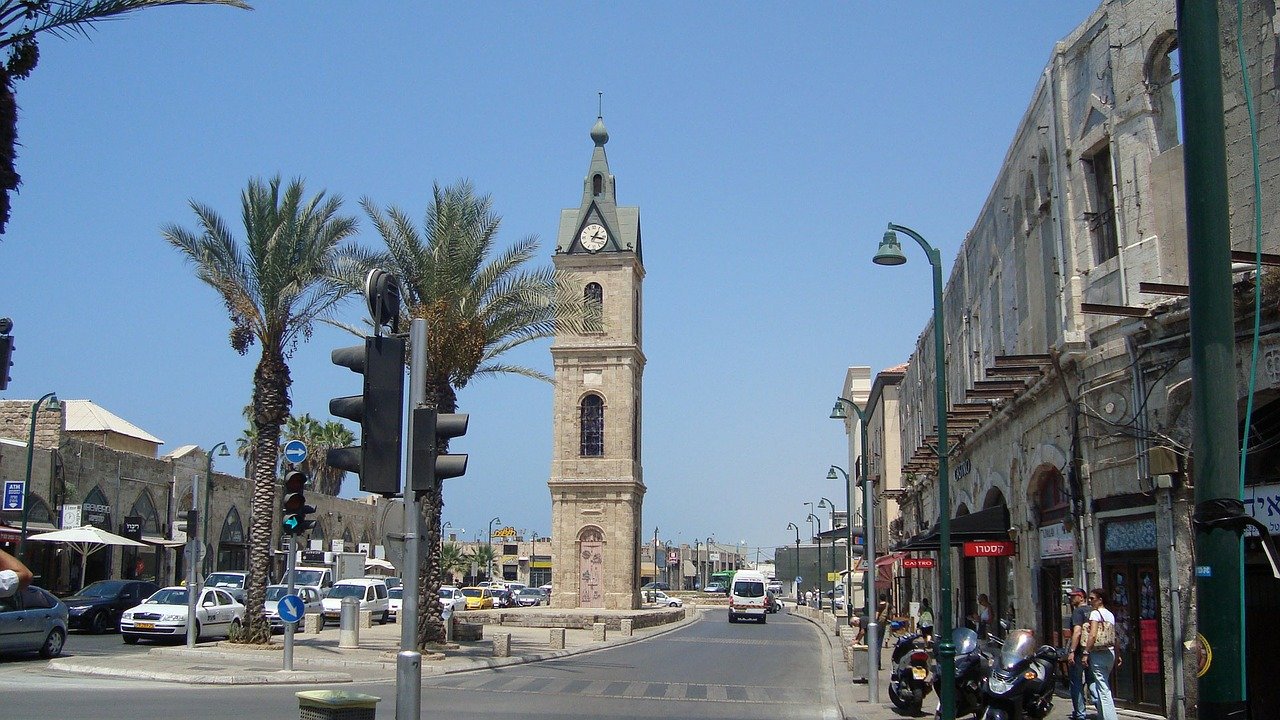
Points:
[(392, 582), (530, 597), (395, 598), (372, 595), (716, 587), (232, 582), (775, 587), (311, 604), (662, 598), (98, 606), (164, 615), (478, 598), (33, 620), (656, 585), (452, 596)]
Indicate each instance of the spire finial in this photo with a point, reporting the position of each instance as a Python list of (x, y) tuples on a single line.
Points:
[(600, 105), (599, 135)]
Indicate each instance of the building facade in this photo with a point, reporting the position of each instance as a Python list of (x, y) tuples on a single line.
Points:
[(597, 484)]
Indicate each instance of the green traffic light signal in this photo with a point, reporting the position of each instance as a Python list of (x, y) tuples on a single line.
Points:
[(295, 508)]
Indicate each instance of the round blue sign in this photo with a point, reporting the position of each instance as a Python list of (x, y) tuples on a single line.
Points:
[(295, 451), (291, 608)]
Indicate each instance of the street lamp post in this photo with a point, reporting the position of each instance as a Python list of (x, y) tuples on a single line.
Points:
[(817, 537), (890, 253), (868, 538), (825, 503), (208, 490), (707, 547), (488, 571), (796, 584), (31, 456)]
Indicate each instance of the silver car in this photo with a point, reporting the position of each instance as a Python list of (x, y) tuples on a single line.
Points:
[(33, 620)]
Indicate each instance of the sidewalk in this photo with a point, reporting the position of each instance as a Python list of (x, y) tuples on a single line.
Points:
[(318, 659)]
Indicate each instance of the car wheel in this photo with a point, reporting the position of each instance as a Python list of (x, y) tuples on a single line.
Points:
[(386, 617), (197, 631), (733, 618), (53, 644), (321, 621), (129, 639), (764, 619), (234, 629), (98, 624)]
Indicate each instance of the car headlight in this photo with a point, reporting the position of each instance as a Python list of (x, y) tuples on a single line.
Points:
[(172, 618), (127, 616), (79, 608)]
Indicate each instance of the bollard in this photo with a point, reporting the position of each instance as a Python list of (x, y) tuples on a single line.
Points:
[(311, 623), (348, 623), (627, 624), (859, 663), (449, 621), (336, 705), (557, 638), (597, 632), (409, 684), (502, 644), (366, 619)]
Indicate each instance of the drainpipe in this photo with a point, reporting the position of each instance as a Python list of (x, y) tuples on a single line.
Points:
[(1059, 206)]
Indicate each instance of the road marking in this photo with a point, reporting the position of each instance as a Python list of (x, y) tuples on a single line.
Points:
[(631, 690)]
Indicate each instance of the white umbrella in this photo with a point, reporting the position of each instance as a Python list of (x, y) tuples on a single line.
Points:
[(378, 563), (85, 540)]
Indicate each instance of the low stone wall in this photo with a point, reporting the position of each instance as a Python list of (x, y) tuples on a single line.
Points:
[(571, 620)]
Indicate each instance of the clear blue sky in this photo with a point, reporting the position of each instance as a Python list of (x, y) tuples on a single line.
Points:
[(766, 144)]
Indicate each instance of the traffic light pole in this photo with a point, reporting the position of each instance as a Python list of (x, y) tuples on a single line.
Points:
[(409, 660), (290, 563)]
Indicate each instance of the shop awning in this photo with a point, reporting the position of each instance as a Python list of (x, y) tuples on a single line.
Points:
[(889, 559), (989, 524), (162, 542)]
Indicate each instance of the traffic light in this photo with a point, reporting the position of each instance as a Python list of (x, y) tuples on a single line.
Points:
[(295, 507), (6, 352), (188, 523), (431, 433), (379, 411)]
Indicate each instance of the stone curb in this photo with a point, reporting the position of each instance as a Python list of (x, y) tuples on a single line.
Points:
[(268, 677)]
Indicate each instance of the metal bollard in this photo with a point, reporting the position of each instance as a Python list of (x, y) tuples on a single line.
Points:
[(349, 623)]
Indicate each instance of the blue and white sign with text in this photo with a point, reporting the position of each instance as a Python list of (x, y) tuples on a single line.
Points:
[(13, 494)]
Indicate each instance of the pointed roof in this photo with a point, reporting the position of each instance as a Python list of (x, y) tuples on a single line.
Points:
[(85, 416), (600, 205)]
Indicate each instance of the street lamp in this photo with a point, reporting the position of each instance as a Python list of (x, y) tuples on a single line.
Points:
[(31, 456), (707, 546), (796, 584), (208, 490), (890, 253), (818, 538), (825, 503), (868, 537), (489, 541), (810, 506)]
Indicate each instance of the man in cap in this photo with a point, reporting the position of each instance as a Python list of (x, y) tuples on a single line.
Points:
[(1076, 661)]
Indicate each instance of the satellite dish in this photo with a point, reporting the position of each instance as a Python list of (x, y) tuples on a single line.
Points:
[(382, 291)]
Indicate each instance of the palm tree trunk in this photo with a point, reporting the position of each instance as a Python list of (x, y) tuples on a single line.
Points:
[(430, 621), (270, 409)]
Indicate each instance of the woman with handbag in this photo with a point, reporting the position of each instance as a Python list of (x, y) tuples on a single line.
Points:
[(1099, 643)]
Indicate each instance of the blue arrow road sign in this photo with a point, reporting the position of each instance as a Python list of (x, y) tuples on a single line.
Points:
[(291, 608), (295, 451), (13, 494)]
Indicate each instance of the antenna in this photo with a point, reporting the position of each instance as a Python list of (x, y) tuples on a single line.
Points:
[(600, 104)]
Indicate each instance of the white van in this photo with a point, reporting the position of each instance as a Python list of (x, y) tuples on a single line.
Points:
[(372, 595), (747, 596)]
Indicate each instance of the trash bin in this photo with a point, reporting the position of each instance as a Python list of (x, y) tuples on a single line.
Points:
[(860, 655), (336, 705)]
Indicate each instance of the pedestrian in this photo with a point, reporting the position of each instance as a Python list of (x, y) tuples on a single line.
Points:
[(14, 576), (1100, 653), (925, 616), (882, 617), (1075, 653), (985, 615)]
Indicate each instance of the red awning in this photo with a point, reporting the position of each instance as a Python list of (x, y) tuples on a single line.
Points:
[(890, 559)]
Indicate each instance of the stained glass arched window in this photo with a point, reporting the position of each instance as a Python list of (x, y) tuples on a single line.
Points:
[(592, 425)]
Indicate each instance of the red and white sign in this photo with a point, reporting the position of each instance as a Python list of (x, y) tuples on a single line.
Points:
[(919, 562), (989, 548)]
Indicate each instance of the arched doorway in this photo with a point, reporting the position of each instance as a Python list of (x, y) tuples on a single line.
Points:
[(233, 554), (142, 563), (1047, 495), (591, 568)]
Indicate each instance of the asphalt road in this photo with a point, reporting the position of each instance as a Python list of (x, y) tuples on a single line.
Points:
[(709, 669)]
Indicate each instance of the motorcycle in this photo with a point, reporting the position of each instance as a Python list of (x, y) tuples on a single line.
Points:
[(971, 669), (913, 670), (1022, 680)]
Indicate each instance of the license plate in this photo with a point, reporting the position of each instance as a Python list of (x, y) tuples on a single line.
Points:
[(919, 673), (145, 626)]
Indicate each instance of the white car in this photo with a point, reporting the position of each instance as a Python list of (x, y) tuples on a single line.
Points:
[(372, 595), (232, 582), (164, 614), (451, 596), (395, 598), (310, 602), (664, 599)]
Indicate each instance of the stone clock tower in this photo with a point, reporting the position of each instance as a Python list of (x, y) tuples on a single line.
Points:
[(597, 486)]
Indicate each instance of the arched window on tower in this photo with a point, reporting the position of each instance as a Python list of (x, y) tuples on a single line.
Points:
[(592, 422), (593, 299), (597, 184)]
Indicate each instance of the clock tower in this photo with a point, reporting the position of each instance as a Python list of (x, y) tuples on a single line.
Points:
[(597, 486)]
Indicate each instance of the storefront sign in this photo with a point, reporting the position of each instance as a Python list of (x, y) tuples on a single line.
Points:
[(14, 492), (963, 468), (337, 545), (505, 532), (132, 528), (70, 516), (95, 514), (1056, 542), (922, 563), (1149, 646), (673, 557), (1263, 503), (989, 548)]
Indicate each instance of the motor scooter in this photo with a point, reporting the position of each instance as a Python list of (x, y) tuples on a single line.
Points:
[(913, 670), (1022, 679), (971, 668)]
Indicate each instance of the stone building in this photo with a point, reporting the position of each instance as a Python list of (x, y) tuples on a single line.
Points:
[(1067, 355), (597, 484), (92, 467)]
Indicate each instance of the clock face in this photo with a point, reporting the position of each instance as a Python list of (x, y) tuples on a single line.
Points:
[(593, 237)]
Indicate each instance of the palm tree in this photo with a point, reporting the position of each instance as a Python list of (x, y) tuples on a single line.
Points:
[(479, 303), (275, 284), (483, 556), (452, 561), (22, 24), (328, 437)]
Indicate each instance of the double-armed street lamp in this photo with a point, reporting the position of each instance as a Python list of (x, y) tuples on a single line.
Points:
[(31, 456), (489, 541), (793, 526), (890, 253)]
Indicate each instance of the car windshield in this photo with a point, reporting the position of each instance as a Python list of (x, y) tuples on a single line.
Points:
[(473, 592), (396, 593), (275, 592), (531, 592), (345, 591), (169, 596), (447, 594), (225, 580), (307, 577), (748, 588), (102, 588)]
